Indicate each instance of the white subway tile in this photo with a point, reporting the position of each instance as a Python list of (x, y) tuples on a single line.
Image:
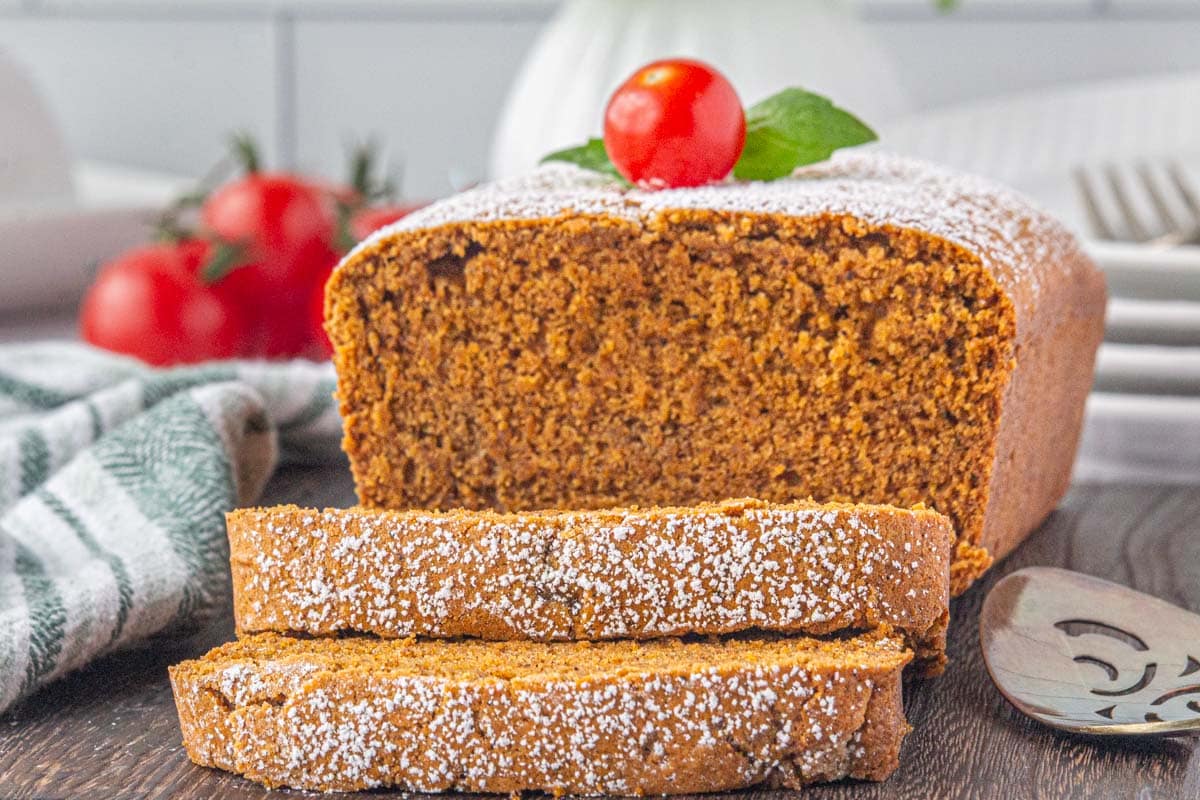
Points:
[(980, 9), (1155, 8), (345, 10), (155, 93), (957, 60), (431, 90)]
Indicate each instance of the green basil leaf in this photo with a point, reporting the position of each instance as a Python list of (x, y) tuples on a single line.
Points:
[(794, 128), (591, 156)]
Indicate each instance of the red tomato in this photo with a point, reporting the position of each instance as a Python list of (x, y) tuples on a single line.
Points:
[(285, 331), (286, 225), (320, 346), (278, 329), (368, 220), (239, 287), (149, 303), (674, 123), (193, 254)]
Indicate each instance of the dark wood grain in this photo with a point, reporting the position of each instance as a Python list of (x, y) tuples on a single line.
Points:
[(110, 731)]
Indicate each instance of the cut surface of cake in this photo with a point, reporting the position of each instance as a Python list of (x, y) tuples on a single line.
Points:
[(590, 575), (871, 330), (625, 718)]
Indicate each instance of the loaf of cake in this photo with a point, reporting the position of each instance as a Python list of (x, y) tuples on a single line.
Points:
[(870, 330), (592, 575), (627, 718)]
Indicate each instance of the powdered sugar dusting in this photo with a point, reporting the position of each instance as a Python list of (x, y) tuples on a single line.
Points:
[(667, 716), (628, 573), (1014, 239)]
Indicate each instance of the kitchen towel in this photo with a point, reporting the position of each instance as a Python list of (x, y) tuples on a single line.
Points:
[(114, 482)]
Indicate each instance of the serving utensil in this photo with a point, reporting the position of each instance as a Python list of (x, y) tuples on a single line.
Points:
[(1088, 656), (1158, 206)]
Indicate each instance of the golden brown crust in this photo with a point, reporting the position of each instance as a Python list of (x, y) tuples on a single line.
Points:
[(872, 331), (622, 573), (1043, 409), (612, 718)]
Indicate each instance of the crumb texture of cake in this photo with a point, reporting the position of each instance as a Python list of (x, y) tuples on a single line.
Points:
[(871, 330), (593, 575), (619, 718)]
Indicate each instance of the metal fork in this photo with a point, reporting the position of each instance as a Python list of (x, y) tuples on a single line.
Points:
[(1174, 204)]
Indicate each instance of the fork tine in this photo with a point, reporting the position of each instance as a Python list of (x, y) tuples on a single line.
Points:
[(1175, 172), (1136, 230), (1151, 185), (1091, 205)]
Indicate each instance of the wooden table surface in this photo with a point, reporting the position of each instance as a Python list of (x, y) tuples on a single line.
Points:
[(110, 731)]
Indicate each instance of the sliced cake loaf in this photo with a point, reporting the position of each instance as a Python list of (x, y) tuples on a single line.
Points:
[(590, 575), (658, 717), (870, 330)]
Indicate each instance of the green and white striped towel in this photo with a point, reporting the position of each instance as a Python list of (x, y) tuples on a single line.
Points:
[(114, 481)]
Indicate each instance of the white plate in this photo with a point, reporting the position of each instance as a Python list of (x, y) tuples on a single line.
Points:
[(1143, 273), (1032, 140), (1157, 322), (50, 249), (34, 165), (49, 255), (1133, 438), (1148, 369)]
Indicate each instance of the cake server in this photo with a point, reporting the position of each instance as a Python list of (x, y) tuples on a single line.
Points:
[(1085, 655)]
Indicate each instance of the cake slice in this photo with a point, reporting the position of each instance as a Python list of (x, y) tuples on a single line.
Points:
[(871, 330), (657, 717), (590, 575)]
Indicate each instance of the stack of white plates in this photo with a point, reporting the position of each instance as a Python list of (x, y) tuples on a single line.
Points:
[(1143, 418), (1144, 412)]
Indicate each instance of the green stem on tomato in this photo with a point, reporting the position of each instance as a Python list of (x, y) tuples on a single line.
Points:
[(245, 150), (226, 257), (364, 158), (345, 238)]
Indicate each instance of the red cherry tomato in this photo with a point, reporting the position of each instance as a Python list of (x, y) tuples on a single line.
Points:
[(284, 330), (286, 225), (320, 348), (193, 254), (369, 220), (278, 329), (240, 287), (674, 123), (149, 303), (236, 287)]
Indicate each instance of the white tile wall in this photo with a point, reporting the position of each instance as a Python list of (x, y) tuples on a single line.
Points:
[(1150, 8), (155, 93), (432, 90), (960, 59), (1032, 9), (921, 9), (160, 83)]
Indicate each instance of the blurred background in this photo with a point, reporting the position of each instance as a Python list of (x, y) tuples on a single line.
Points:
[(111, 108), (158, 84)]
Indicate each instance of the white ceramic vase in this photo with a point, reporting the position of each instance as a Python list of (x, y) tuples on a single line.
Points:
[(591, 46)]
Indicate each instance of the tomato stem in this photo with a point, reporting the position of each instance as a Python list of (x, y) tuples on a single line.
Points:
[(226, 257), (364, 159), (345, 237), (245, 149), (175, 223)]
